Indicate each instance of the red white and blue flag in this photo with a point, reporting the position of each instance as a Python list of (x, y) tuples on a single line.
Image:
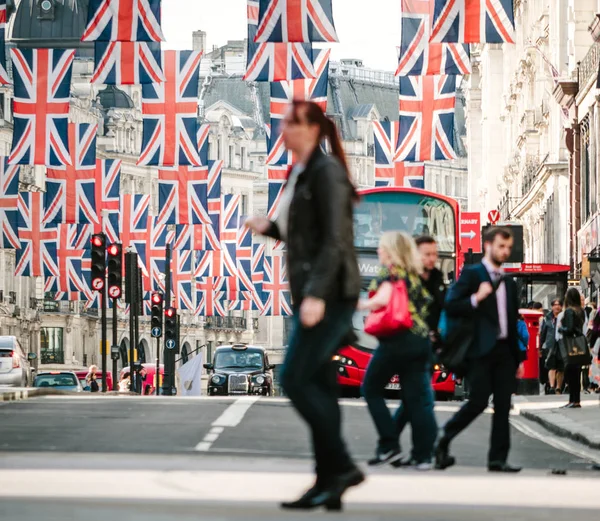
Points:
[(169, 113), (276, 289), (9, 205), (213, 231), (203, 133), (277, 178), (181, 279), (209, 299), (473, 21), (4, 78), (284, 92), (133, 219), (209, 263), (230, 224), (419, 57), (108, 198), (183, 196), (389, 171), (42, 92), (71, 190), (127, 63), (33, 235), (275, 61), (151, 249), (295, 21), (426, 118), (244, 258), (188, 237), (123, 21)]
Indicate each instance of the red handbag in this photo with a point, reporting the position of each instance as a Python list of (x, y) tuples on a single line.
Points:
[(393, 318)]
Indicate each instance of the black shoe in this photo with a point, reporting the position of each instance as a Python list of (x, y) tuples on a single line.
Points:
[(443, 460), (381, 458), (497, 466), (403, 463), (331, 497), (572, 406), (304, 502)]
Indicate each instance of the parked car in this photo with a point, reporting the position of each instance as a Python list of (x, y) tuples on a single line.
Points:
[(15, 369), (61, 380), (240, 369)]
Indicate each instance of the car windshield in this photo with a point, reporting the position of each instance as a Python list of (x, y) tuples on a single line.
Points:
[(238, 360), (55, 380)]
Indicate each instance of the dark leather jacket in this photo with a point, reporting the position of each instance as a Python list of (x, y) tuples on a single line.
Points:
[(320, 248)]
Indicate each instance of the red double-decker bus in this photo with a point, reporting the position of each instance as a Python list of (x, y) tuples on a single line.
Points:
[(417, 212)]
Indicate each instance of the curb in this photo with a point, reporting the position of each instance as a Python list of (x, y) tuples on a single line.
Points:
[(24, 394), (564, 427)]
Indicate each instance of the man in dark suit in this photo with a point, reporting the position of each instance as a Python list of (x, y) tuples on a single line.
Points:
[(484, 295)]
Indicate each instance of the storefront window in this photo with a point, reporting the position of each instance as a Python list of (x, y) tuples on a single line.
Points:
[(51, 345)]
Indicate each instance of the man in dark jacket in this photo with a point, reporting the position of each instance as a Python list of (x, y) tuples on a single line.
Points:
[(489, 300), (433, 280)]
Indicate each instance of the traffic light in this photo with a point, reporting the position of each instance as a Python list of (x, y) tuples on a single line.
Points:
[(157, 314), (115, 270), (171, 328), (98, 261)]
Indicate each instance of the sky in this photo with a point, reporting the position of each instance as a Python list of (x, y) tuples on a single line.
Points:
[(368, 29)]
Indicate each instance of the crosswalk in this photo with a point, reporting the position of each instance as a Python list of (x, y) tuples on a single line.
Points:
[(264, 486)]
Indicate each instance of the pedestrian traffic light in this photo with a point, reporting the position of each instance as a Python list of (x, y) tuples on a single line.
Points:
[(98, 261), (115, 270), (156, 325), (170, 328)]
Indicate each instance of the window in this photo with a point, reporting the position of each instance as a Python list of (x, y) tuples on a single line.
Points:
[(231, 155), (219, 147), (243, 158), (448, 185), (211, 150), (244, 205), (51, 345)]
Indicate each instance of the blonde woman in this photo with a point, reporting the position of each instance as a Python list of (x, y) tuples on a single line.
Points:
[(406, 354), (91, 379)]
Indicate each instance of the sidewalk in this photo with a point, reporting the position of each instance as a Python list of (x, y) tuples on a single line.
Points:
[(580, 425), (12, 394)]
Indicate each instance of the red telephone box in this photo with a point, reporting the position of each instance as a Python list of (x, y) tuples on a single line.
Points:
[(530, 383)]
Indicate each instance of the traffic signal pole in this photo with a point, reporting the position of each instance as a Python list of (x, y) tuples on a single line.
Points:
[(115, 282), (115, 339), (167, 386), (104, 339), (98, 276), (156, 326)]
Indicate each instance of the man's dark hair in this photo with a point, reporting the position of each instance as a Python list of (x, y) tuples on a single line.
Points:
[(425, 239), (556, 301), (537, 305), (491, 233)]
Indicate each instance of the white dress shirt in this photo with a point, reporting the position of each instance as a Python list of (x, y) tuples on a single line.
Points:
[(501, 299)]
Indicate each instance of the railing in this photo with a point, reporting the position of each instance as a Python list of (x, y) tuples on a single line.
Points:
[(236, 323), (588, 67), (52, 357), (362, 74), (255, 323), (531, 169)]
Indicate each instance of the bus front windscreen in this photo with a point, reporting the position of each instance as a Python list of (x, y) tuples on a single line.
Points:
[(414, 213)]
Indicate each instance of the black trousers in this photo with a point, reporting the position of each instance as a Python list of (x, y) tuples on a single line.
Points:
[(492, 374), (309, 379), (573, 380)]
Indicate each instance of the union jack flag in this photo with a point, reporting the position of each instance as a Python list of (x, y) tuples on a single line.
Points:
[(183, 196), (4, 78), (181, 279), (9, 204), (62, 263), (275, 288), (258, 276), (282, 93), (71, 191), (275, 61), (41, 106), (203, 133), (244, 258), (79, 277), (294, 21), (209, 300), (277, 177), (209, 263), (230, 223), (389, 171), (426, 118), (418, 57), (33, 235), (123, 21), (133, 219), (151, 249), (213, 231), (108, 198), (189, 237), (127, 63), (169, 112), (473, 21)]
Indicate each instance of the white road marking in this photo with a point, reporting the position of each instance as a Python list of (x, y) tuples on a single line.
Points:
[(550, 439), (231, 417), (251, 487)]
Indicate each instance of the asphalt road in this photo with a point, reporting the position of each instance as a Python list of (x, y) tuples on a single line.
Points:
[(131, 458)]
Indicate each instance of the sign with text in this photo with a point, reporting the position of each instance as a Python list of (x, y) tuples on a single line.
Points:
[(470, 232), (493, 216)]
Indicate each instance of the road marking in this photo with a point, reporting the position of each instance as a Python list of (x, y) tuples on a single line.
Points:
[(231, 417), (546, 437), (254, 487)]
